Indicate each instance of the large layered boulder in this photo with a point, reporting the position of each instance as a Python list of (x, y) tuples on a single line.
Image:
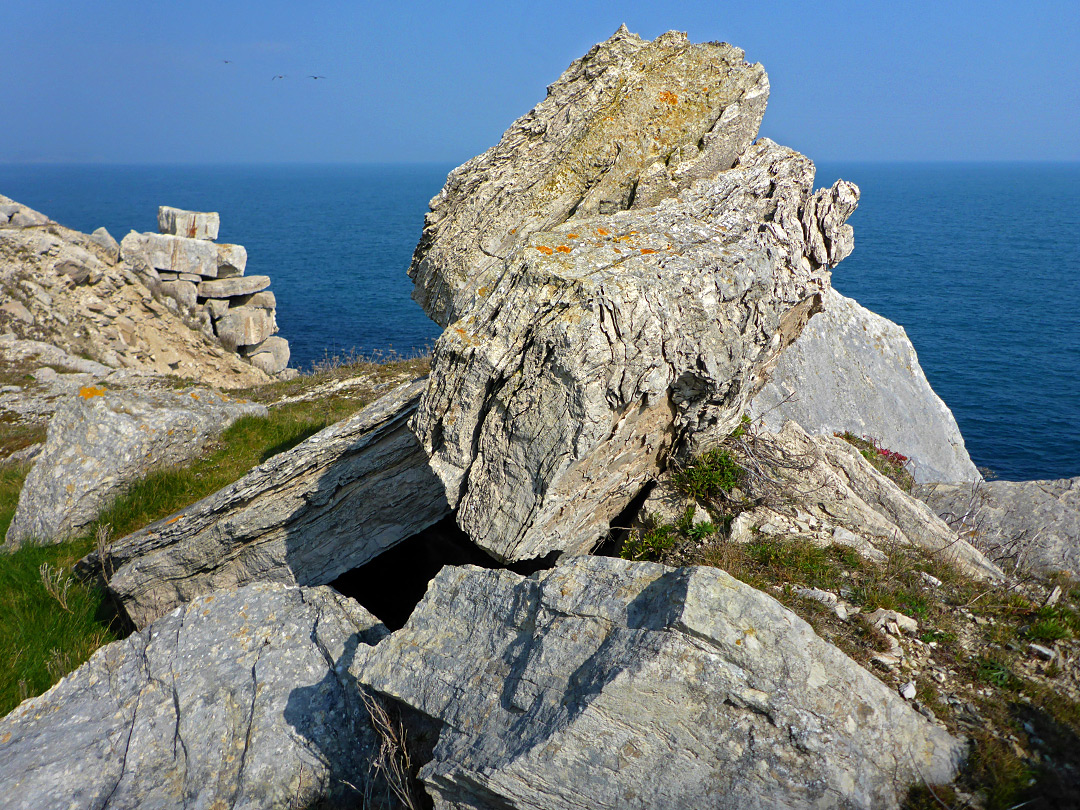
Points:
[(609, 684), (100, 441), (852, 370), (241, 699), (305, 516), (608, 340), (1033, 525), (592, 330)]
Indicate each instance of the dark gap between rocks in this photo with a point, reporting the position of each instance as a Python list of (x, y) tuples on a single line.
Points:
[(622, 524), (391, 585)]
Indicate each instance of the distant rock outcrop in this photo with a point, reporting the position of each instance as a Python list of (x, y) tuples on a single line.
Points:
[(605, 683), (852, 370), (241, 699), (72, 290), (1034, 525), (208, 279), (101, 441)]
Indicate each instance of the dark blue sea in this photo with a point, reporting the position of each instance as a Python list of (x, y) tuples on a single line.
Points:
[(979, 262)]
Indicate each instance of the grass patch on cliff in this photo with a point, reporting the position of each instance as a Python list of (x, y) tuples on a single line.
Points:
[(43, 635), (11, 481)]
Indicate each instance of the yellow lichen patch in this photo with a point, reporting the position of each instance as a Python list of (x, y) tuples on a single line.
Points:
[(669, 98), (572, 235), (602, 232), (545, 250), (173, 520), (194, 396), (618, 251), (563, 249), (91, 391), (482, 291), (647, 250)]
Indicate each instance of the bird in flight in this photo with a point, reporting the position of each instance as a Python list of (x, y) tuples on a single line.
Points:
[(316, 77), (227, 61), (280, 76)]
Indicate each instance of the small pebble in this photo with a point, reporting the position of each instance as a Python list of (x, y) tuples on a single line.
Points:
[(907, 691)]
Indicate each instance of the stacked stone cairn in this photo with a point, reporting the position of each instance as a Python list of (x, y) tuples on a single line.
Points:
[(207, 279)]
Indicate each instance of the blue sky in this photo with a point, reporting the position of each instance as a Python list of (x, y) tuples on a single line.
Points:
[(135, 82)]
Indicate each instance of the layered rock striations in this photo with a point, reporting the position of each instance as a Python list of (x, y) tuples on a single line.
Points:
[(306, 516), (240, 699), (596, 339), (609, 684)]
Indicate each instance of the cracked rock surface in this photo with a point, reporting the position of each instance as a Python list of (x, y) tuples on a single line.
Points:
[(307, 515), (240, 699), (608, 684)]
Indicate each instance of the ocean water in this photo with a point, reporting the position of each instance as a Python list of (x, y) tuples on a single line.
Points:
[(979, 262)]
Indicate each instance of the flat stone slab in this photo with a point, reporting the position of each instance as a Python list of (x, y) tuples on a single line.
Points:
[(179, 254), (189, 224), (1032, 524), (230, 287), (241, 699), (271, 356), (307, 515), (852, 370), (606, 683), (100, 441)]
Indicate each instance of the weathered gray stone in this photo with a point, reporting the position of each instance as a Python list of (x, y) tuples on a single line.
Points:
[(239, 700), (109, 245), (245, 326), (26, 218), (675, 110), (304, 516), (557, 394), (264, 299), (232, 260), (100, 441), (1032, 524), (17, 309), (181, 291), (271, 356), (229, 287), (189, 224), (852, 370), (604, 684), (174, 254), (194, 279), (821, 489), (217, 307)]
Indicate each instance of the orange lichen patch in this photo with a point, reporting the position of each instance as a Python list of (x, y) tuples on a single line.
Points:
[(462, 334), (602, 232), (482, 291), (647, 250), (513, 230), (91, 391), (669, 98), (608, 118), (563, 249), (618, 251), (173, 520), (572, 235), (545, 250)]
